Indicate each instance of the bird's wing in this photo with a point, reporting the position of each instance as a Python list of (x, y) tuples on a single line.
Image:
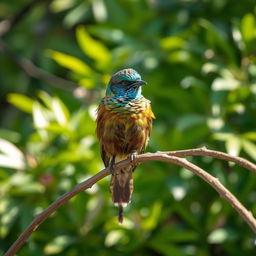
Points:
[(104, 156)]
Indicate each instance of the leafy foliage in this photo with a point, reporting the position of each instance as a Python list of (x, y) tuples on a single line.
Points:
[(199, 60)]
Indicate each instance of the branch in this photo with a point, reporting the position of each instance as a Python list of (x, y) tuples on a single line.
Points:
[(147, 157), (40, 218), (31, 70), (7, 24), (26, 65), (213, 153)]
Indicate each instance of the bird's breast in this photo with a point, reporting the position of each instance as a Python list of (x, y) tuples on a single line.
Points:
[(124, 130)]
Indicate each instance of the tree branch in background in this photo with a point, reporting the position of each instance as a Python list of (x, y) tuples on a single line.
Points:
[(7, 24), (147, 157), (30, 69)]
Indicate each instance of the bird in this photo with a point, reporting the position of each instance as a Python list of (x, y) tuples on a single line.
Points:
[(123, 127)]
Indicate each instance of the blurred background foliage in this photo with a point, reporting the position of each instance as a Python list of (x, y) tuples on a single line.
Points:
[(199, 58)]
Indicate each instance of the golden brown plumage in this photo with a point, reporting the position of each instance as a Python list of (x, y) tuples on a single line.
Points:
[(123, 127)]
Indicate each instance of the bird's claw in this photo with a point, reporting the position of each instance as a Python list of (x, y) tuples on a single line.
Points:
[(132, 157)]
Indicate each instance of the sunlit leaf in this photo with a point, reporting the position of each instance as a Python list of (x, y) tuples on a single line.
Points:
[(60, 111), (248, 27), (218, 236), (249, 148), (58, 244), (70, 62), (8, 211), (40, 116), (179, 56), (222, 136), (77, 14), (99, 10), (11, 156), (210, 67), (222, 84), (113, 237), (20, 101), (93, 48), (60, 5), (23, 183), (87, 83), (172, 42), (249, 135), (233, 145), (45, 98)]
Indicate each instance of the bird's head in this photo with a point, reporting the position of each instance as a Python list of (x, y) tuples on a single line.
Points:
[(126, 83)]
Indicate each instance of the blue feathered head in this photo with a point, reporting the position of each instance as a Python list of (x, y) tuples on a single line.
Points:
[(126, 83)]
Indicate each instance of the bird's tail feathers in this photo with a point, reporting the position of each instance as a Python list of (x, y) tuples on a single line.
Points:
[(121, 188)]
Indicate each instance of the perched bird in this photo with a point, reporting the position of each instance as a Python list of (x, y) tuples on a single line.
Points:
[(124, 123)]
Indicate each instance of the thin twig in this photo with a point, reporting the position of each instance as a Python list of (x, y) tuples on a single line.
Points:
[(158, 156)]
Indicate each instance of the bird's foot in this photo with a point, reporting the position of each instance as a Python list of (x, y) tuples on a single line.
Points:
[(132, 157)]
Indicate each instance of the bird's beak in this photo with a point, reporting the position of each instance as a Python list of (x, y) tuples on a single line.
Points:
[(140, 83)]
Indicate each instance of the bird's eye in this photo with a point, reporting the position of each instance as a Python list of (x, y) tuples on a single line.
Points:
[(125, 82)]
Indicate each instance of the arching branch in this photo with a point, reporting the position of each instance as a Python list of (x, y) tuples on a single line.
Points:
[(216, 154), (171, 157)]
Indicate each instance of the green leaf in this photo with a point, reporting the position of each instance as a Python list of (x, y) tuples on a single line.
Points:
[(248, 27), (172, 42), (20, 101), (152, 220), (225, 84), (10, 135), (60, 111), (93, 48), (108, 33), (179, 56), (77, 14), (11, 156), (117, 13), (174, 234), (58, 244), (217, 39), (60, 5), (249, 135), (222, 136), (185, 122), (113, 237), (165, 248), (45, 98), (70, 62), (233, 145), (218, 236), (22, 183), (87, 83), (40, 116), (8, 212), (249, 148)]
